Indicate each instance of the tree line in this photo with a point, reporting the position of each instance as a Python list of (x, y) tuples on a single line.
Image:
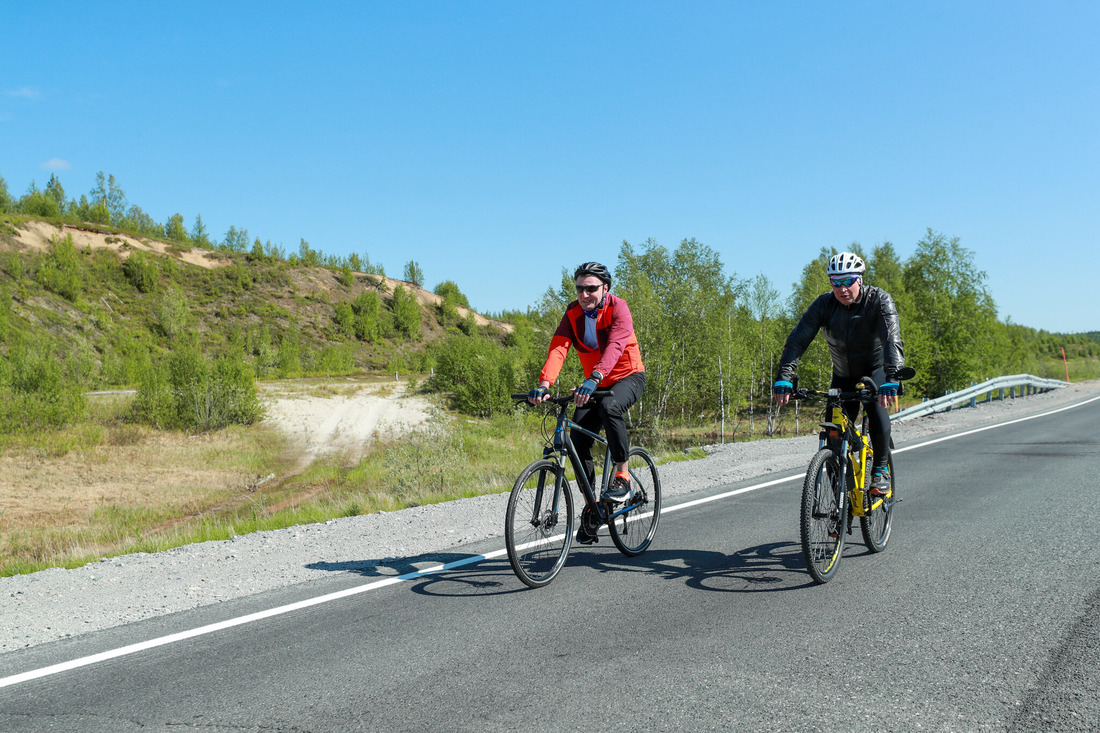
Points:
[(711, 340)]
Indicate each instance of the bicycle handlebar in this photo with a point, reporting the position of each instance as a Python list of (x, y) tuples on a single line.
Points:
[(867, 394), (567, 399)]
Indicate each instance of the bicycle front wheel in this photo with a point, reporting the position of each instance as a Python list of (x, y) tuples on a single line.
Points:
[(876, 525), (633, 530), (537, 523), (821, 525)]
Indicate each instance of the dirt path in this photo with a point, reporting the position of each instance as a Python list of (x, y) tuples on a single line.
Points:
[(346, 421)]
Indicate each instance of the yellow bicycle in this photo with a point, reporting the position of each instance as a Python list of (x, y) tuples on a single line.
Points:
[(835, 490)]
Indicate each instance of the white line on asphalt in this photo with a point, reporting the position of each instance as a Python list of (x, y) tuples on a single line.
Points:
[(279, 611)]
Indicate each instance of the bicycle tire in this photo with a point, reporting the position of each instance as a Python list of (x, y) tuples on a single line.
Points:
[(877, 525), (633, 531), (537, 548), (821, 525)]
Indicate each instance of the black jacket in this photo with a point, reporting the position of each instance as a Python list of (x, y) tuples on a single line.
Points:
[(862, 336)]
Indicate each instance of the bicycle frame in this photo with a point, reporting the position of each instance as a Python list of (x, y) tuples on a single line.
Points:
[(841, 436), (562, 447)]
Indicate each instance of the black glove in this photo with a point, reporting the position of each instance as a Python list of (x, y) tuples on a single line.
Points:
[(538, 393)]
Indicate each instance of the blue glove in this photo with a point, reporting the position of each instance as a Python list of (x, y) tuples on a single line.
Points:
[(782, 386), (588, 387), (537, 393), (890, 389)]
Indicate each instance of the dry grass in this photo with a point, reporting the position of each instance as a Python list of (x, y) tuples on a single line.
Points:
[(95, 489)]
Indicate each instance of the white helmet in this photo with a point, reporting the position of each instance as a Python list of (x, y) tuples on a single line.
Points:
[(845, 263)]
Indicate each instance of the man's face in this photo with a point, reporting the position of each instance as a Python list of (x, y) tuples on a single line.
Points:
[(589, 300), (846, 293)]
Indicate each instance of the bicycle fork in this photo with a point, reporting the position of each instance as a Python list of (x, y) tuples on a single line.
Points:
[(548, 519)]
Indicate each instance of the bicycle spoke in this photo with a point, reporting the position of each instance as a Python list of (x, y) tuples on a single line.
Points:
[(537, 533), (633, 530)]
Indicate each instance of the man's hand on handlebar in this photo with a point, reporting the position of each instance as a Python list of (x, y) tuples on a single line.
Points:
[(888, 395), (539, 394), (583, 393)]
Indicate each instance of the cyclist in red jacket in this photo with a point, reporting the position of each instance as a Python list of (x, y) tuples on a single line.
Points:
[(598, 324)]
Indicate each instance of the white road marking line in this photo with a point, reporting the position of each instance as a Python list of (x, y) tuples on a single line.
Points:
[(281, 610)]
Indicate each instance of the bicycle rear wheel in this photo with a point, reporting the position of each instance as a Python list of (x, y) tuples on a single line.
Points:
[(876, 525), (632, 532), (536, 533), (822, 526)]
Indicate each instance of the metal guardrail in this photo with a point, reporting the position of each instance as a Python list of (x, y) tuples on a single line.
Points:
[(1025, 382)]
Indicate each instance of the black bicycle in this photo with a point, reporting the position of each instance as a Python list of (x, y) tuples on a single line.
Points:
[(539, 524), (834, 492)]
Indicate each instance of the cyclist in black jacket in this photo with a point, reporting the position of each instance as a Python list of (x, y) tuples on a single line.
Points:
[(861, 327)]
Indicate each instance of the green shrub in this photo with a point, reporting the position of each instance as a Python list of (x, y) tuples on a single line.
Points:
[(60, 271), (172, 314), (478, 375), (36, 393), (141, 271), (188, 392), (406, 313)]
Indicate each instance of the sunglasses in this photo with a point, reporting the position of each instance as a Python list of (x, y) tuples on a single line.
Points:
[(844, 282), (588, 288)]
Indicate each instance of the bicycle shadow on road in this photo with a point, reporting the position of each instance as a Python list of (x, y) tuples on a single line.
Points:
[(765, 568), (487, 577)]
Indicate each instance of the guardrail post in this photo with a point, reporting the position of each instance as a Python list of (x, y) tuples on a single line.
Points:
[(974, 399)]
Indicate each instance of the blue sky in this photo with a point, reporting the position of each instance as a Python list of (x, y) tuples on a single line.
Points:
[(497, 142)]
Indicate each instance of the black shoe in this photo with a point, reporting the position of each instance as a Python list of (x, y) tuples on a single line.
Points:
[(619, 490), (584, 538), (880, 481), (590, 525)]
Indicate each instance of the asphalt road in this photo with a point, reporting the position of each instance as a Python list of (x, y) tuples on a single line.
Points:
[(982, 614)]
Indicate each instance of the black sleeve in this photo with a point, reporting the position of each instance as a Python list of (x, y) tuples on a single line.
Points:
[(801, 337), (889, 330)]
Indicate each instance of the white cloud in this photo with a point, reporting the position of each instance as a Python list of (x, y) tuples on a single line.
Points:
[(25, 93), (57, 164)]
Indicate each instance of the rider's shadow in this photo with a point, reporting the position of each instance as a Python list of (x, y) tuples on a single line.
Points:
[(487, 577), (766, 568)]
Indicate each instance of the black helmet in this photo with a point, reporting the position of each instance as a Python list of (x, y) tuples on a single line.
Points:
[(593, 268)]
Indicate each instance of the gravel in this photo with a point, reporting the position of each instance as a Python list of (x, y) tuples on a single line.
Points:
[(56, 604)]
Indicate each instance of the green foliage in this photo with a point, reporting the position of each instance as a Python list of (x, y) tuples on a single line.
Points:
[(174, 228), (5, 197), (406, 313), (39, 203), (449, 291), (200, 237), (36, 391), (61, 271), (307, 256), (414, 274), (367, 310), (142, 271), (951, 338), (188, 392), (172, 314), (345, 318), (423, 461), (452, 300), (346, 277), (682, 304), (290, 354), (478, 374)]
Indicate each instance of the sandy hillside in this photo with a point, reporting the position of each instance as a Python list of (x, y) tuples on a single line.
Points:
[(37, 235)]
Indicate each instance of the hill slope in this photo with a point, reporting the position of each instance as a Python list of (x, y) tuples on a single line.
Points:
[(115, 303)]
